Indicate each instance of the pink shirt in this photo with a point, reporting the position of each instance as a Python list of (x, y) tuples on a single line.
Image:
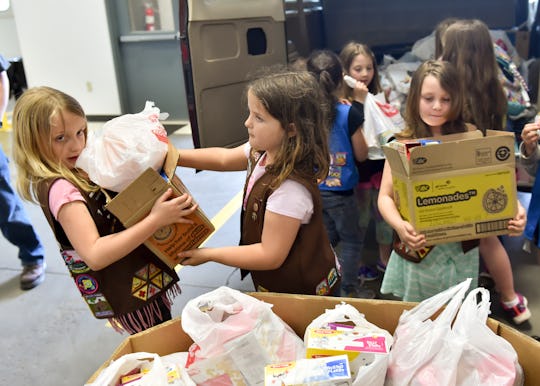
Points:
[(291, 199), (62, 192)]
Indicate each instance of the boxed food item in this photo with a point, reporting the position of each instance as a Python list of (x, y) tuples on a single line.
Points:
[(359, 348), (135, 202), (455, 187), (324, 371), (298, 311)]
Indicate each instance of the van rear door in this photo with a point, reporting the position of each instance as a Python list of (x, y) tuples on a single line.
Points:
[(222, 41)]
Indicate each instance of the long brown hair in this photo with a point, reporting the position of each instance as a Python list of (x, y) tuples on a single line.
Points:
[(468, 45), (295, 98), (350, 51), (448, 77)]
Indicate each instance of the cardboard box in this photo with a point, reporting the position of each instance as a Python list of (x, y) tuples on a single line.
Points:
[(136, 201), (462, 188), (300, 310)]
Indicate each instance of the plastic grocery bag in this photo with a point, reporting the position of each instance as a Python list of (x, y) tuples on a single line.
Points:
[(235, 336), (156, 375), (486, 358), (381, 122), (124, 148), (368, 365), (425, 351)]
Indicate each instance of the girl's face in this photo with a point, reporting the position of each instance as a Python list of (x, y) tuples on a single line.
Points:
[(435, 104), (362, 69), (265, 132), (67, 137)]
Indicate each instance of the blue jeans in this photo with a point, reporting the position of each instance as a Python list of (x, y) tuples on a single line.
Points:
[(340, 216), (14, 222)]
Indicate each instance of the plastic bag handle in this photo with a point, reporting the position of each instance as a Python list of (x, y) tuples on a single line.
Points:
[(428, 307)]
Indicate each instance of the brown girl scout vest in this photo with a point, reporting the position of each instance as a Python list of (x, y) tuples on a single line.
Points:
[(310, 268), (126, 292)]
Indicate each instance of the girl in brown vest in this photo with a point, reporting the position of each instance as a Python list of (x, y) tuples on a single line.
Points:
[(117, 276), (283, 240)]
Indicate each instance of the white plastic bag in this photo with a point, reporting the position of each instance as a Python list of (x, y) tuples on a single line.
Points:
[(421, 354), (110, 376), (369, 367), (486, 359), (381, 122), (235, 335), (124, 148)]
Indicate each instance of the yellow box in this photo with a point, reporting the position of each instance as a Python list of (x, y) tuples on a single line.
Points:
[(135, 202), (460, 189)]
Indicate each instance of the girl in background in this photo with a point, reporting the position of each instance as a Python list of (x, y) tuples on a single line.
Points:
[(434, 108), (359, 62), (117, 276), (283, 240), (347, 145), (468, 45)]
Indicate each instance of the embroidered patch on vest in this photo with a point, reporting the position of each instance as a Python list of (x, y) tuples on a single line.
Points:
[(87, 284), (332, 277), (322, 288), (149, 281), (99, 305)]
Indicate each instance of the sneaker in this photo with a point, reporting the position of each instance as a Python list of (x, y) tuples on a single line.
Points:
[(519, 313), (381, 267), (358, 293), (366, 273), (486, 281), (32, 275)]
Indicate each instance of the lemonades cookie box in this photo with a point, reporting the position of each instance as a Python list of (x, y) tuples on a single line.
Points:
[(456, 187), (136, 201)]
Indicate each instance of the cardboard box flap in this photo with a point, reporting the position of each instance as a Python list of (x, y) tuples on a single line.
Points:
[(460, 151), (141, 193), (171, 161)]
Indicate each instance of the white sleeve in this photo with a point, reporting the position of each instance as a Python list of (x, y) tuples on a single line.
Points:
[(291, 199)]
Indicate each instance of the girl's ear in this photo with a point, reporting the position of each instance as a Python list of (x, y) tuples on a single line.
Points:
[(291, 130)]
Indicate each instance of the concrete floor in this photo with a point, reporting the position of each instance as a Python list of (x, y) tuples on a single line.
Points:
[(50, 338)]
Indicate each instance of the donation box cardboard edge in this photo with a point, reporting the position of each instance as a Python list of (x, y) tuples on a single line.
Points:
[(299, 310), (135, 202), (461, 189)]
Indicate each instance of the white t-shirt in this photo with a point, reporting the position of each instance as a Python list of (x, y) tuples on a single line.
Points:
[(291, 199)]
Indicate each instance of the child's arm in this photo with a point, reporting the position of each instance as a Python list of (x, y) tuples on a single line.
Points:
[(516, 226), (279, 233), (99, 252), (390, 213), (360, 147), (214, 158)]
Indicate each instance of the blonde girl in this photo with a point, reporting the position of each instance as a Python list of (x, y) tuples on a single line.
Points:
[(117, 276)]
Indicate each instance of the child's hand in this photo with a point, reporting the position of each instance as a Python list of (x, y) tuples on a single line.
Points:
[(167, 210), (408, 235), (194, 257), (530, 137), (360, 92), (516, 226), (345, 101)]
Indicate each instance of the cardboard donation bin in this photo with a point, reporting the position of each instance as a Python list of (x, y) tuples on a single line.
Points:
[(455, 187), (136, 201), (300, 310)]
